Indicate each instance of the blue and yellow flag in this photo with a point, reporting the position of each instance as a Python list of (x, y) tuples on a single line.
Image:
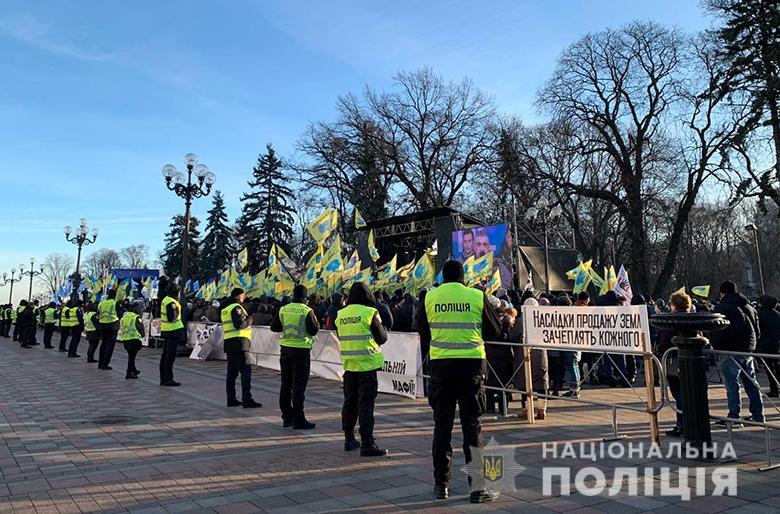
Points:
[(702, 291), (359, 221), (598, 282), (372, 246), (583, 276), (322, 226), (315, 261), (242, 259), (332, 261), (494, 283)]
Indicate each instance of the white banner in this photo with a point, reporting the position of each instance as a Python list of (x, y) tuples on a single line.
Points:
[(589, 329), (401, 375), (206, 341)]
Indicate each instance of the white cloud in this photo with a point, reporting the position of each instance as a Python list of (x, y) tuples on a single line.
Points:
[(30, 30)]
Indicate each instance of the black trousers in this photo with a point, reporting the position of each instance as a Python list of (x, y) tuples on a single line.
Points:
[(295, 364), (64, 335), (75, 339), (444, 393), (107, 343), (238, 364), (23, 335), (132, 348), (16, 331), (48, 332), (93, 338), (32, 332), (170, 346), (5, 327), (360, 388)]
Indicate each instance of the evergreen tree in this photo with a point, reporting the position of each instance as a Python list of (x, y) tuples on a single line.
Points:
[(266, 213), (172, 253), (750, 46), (218, 246)]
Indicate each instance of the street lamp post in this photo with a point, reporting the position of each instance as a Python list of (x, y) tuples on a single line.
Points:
[(81, 239), (11, 281), (32, 274), (183, 186), (754, 229), (545, 215)]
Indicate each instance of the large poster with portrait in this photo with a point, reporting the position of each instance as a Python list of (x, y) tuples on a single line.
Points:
[(476, 242)]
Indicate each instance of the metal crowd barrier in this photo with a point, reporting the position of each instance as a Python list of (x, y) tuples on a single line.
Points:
[(651, 407), (768, 425)]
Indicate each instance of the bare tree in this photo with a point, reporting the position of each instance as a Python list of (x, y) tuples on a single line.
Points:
[(99, 262), (56, 267), (135, 256), (436, 133), (629, 96), (416, 146)]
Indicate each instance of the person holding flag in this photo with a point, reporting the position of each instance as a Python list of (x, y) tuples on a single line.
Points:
[(360, 333), (298, 325)]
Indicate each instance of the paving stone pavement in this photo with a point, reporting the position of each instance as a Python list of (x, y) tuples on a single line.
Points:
[(181, 450)]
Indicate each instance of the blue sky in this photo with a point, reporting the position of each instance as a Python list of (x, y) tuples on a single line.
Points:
[(97, 95)]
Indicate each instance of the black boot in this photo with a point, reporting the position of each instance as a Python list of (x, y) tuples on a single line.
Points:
[(372, 450), (303, 424), (350, 443)]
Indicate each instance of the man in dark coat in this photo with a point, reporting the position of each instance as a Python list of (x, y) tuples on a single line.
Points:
[(740, 336), (769, 341)]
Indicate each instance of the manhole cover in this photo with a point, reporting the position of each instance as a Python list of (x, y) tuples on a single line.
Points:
[(112, 420)]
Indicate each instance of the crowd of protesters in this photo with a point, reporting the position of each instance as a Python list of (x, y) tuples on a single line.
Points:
[(754, 327)]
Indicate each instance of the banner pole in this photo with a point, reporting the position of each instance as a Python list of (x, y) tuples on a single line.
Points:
[(650, 386), (529, 386)]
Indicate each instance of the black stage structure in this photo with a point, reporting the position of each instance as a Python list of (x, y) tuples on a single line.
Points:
[(409, 235)]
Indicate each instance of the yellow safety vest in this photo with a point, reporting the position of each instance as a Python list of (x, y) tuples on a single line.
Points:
[(89, 324), (454, 314), (48, 316), (107, 311), (169, 326), (127, 326), (230, 329), (14, 314), (359, 351), (69, 317), (293, 317)]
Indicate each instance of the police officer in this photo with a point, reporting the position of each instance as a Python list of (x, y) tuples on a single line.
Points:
[(67, 322), (237, 326), (3, 320), (25, 320), (298, 325), (10, 317), (18, 311), (360, 333), (91, 331), (132, 328), (173, 333), (34, 332), (455, 323), (108, 324), (49, 322), (76, 330)]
